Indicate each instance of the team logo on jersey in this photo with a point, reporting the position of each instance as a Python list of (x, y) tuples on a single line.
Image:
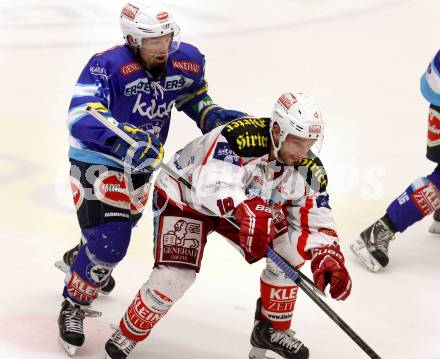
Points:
[(130, 11), (98, 273), (130, 68), (224, 153), (177, 82), (180, 241), (137, 86), (187, 66)]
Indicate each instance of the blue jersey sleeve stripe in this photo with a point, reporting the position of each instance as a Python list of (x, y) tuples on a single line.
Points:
[(427, 92)]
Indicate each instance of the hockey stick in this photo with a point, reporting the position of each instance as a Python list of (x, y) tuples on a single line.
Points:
[(292, 273)]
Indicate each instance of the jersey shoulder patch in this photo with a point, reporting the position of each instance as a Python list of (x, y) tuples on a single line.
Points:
[(248, 136), (225, 153), (313, 171)]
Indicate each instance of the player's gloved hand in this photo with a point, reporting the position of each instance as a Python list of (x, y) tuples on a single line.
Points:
[(146, 156), (214, 116), (328, 268), (256, 226)]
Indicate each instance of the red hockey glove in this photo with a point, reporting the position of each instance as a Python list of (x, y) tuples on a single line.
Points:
[(328, 268), (256, 226)]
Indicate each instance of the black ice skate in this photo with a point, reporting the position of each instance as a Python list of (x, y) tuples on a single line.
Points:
[(67, 261), (435, 226), (119, 346), (372, 245), (282, 342), (70, 324)]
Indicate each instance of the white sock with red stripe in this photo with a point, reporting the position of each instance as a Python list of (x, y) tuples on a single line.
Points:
[(141, 317), (165, 286)]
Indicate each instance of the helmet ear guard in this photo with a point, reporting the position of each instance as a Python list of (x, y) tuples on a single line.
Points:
[(297, 115), (140, 19)]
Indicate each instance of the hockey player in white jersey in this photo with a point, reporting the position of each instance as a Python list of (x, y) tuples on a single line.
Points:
[(422, 196), (261, 173)]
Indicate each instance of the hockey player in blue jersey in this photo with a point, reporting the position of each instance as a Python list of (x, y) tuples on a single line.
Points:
[(420, 199), (135, 86)]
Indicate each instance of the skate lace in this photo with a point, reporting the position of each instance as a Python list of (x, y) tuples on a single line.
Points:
[(122, 342), (75, 315), (74, 319), (285, 338), (383, 235)]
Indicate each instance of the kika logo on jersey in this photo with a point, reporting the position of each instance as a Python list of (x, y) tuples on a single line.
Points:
[(138, 86), (224, 153), (187, 66), (287, 100), (130, 11), (99, 71), (177, 82), (130, 68), (154, 110)]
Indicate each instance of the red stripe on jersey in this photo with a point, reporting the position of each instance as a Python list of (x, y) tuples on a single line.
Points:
[(210, 150), (304, 219)]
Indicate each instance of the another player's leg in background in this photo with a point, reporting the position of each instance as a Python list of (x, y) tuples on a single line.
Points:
[(106, 224), (419, 200)]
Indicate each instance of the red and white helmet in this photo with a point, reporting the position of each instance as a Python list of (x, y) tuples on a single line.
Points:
[(141, 19), (298, 115)]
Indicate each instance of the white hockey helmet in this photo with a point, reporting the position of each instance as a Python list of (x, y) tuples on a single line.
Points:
[(298, 115), (142, 19)]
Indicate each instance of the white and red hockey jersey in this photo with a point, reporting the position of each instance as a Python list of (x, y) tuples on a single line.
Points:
[(223, 175)]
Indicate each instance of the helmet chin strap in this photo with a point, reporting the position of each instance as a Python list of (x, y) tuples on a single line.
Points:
[(275, 148)]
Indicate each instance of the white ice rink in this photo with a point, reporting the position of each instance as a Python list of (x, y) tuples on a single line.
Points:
[(361, 59)]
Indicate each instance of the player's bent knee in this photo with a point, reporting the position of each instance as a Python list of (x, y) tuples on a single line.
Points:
[(170, 281), (108, 241)]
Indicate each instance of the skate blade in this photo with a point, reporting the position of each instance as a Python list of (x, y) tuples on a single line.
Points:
[(434, 228), (61, 266), (359, 248), (69, 348), (258, 353)]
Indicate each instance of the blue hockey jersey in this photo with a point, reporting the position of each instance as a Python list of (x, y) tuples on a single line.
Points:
[(115, 80), (430, 81)]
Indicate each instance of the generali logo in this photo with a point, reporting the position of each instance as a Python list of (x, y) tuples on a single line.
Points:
[(130, 68), (187, 66), (130, 11)]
